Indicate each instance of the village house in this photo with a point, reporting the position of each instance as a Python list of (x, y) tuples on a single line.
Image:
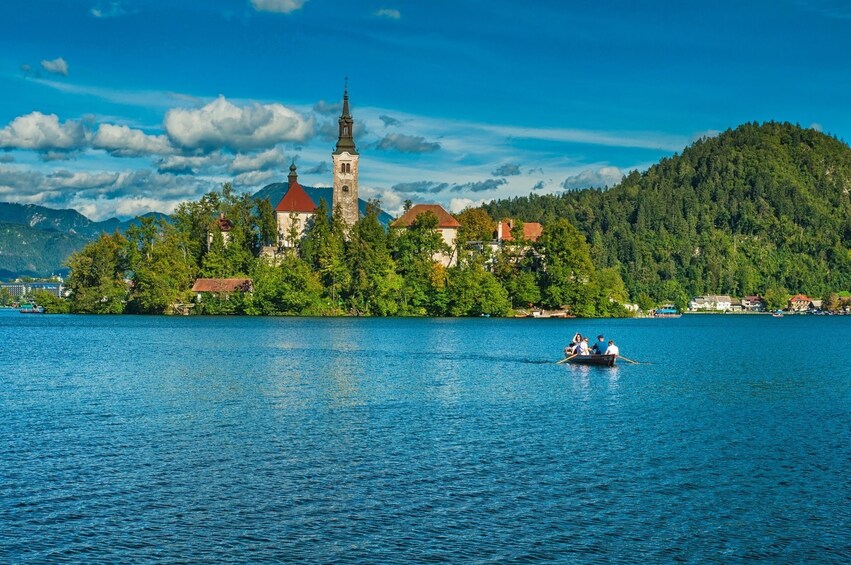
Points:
[(220, 287), (711, 303), (447, 225), (531, 231), (753, 304), (800, 303)]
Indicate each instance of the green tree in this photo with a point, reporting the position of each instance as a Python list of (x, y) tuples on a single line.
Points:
[(476, 225), (569, 270), (97, 279), (51, 303)]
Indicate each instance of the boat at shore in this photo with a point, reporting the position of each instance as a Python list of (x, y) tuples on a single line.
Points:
[(31, 309), (598, 360)]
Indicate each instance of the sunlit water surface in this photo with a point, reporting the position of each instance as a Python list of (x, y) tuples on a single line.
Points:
[(128, 439)]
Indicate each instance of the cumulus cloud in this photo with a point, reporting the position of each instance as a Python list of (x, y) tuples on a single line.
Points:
[(100, 194), (222, 124), (506, 170), (817, 127), (479, 186), (460, 204), (406, 143), (253, 178), (123, 141), (191, 165), (320, 169), (43, 132), (328, 108), (389, 121), (591, 178), (257, 162), (390, 13), (279, 6), (422, 187), (56, 66), (540, 185)]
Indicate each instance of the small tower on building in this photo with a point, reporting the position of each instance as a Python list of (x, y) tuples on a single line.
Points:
[(345, 158), (293, 212)]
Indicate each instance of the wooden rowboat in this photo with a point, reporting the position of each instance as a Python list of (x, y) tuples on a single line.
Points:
[(600, 360)]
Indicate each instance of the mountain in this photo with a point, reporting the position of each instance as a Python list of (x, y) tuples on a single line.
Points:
[(36, 241), (759, 207), (27, 251)]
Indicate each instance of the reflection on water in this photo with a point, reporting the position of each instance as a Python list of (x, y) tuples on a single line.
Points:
[(230, 439)]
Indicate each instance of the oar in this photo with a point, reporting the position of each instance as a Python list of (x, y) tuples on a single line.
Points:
[(566, 359), (633, 362)]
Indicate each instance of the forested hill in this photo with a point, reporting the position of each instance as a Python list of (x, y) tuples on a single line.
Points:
[(760, 207)]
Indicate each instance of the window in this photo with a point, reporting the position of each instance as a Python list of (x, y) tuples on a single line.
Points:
[(345, 167), (345, 188), (345, 130)]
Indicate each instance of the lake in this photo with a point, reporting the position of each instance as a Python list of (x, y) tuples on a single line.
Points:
[(157, 439)]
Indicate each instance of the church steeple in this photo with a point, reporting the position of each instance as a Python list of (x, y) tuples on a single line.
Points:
[(346, 140)]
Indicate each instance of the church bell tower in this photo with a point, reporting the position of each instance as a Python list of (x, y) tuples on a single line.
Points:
[(345, 158)]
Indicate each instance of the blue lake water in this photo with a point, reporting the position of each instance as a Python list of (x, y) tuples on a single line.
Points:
[(133, 439)]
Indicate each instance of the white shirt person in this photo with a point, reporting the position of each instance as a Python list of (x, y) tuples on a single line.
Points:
[(612, 349)]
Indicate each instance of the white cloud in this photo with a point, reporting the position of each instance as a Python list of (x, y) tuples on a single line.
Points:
[(43, 132), (57, 66), (222, 124), (257, 162), (254, 179), (817, 127), (279, 6), (594, 178), (460, 204), (406, 143), (123, 141), (192, 164), (390, 13)]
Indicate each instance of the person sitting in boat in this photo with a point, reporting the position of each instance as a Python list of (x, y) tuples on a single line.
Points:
[(571, 347), (612, 349), (599, 346), (582, 347)]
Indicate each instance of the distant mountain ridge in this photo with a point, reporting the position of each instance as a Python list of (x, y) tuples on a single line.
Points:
[(36, 241)]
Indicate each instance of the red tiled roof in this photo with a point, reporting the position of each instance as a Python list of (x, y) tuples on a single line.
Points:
[(800, 298), (224, 224), (531, 230), (222, 285), (444, 218), (296, 200)]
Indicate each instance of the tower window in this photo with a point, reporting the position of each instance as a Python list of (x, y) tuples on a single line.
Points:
[(345, 188), (345, 130), (345, 167)]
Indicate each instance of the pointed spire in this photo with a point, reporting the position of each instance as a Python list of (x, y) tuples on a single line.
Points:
[(346, 140)]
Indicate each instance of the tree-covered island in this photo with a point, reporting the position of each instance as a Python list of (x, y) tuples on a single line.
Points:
[(762, 209)]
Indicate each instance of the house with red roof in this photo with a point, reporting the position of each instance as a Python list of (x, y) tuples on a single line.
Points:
[(447, 226), (221, 287), (800, 303), (531, 230)]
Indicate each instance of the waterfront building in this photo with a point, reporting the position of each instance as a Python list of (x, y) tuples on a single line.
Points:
[(447, 226), (711, 303), (222, 287), (800, 303), (19, 289)]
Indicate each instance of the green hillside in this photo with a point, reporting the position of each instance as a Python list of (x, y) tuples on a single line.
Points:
[(27, 251), (759, 207), (36, 241)]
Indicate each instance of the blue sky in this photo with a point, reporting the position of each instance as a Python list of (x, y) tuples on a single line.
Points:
[(120, 107)]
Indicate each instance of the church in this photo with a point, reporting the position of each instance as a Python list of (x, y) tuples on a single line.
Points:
[(298, 204)]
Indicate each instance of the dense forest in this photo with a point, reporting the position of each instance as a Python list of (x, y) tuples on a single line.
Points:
[(366, 270), (763, 207)]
